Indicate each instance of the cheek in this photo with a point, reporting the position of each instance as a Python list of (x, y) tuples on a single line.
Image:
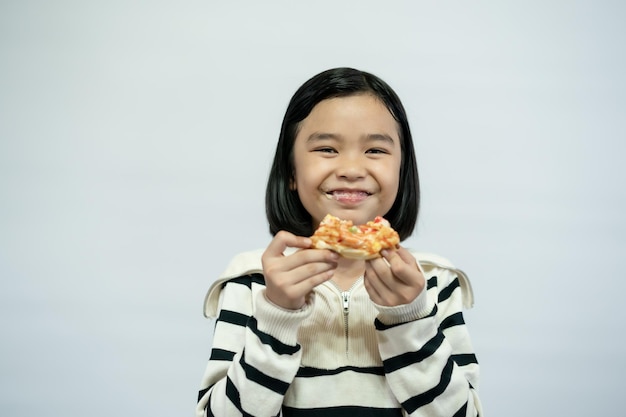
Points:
[(300, 177), (390, 176), (310, 171), (391, 182), (296, 174), (306, 182)]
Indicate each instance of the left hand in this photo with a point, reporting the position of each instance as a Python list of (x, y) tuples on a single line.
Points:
[(393, 279)]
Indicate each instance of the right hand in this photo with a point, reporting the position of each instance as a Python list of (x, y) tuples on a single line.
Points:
[(289, 279)]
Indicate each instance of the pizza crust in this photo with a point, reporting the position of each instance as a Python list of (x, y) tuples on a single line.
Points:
[(346, 252)]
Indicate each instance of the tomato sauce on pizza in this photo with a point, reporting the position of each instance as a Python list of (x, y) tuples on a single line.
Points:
[(355, 241)]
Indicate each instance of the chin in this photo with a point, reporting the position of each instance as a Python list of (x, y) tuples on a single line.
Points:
[(357, 217)]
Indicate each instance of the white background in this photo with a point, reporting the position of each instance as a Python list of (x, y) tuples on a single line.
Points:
[(135, 141)]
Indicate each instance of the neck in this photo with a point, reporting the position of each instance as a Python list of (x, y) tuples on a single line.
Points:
[(347, 272)]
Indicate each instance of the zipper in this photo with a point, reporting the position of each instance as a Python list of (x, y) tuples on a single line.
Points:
[(345, 300), (345, 304)]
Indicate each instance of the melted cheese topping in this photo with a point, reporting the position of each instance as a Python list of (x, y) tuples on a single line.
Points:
[(355, 241)]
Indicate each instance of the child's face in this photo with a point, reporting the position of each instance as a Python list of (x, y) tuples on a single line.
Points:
[(347, 158)]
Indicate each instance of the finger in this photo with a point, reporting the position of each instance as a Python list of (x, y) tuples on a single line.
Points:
[(309, 260), (273, 257), (372, 287), (403, 254), (299, 266), (306, 285), (307, 270), (379, 287), (288, 286), (284, 240), (382, 269), (303, 280), (402, 264)]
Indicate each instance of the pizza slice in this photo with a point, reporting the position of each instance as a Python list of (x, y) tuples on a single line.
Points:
[(355, 241)]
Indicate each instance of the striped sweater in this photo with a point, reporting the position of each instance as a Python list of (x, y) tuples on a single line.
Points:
[(340, 355)]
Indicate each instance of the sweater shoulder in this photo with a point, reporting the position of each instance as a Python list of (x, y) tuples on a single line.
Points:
[(431, 262), (242, 265)]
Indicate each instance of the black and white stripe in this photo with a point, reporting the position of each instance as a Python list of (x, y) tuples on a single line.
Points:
[(427, 365)]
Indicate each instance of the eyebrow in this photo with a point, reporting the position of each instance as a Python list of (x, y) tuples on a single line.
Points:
[(373, 137)]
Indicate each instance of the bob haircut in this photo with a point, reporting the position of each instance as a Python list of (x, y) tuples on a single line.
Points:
[(283, 207)]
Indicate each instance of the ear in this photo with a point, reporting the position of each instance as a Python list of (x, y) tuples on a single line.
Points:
[(292, 184)]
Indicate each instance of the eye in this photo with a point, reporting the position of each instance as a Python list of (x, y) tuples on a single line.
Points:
[(325, 149), (377, 151)]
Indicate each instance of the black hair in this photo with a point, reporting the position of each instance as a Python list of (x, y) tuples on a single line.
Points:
[(283, 207)]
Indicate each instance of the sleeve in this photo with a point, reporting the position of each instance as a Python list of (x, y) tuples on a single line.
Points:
[(427, 353), (254, 357)]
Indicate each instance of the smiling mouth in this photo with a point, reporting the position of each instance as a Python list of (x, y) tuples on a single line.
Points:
[(352, 196)]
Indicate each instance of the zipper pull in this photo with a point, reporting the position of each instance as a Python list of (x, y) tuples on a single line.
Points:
[(345, 298)]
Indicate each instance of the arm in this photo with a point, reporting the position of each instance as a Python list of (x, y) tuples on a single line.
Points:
[(255, 353), (254, 357), (426, 349)]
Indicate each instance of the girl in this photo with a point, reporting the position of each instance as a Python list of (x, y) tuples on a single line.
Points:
[(304, 332)]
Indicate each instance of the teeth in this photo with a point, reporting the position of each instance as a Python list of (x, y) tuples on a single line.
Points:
[(335, 195)]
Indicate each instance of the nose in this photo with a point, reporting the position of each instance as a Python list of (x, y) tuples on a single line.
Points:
[(350, 168)]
